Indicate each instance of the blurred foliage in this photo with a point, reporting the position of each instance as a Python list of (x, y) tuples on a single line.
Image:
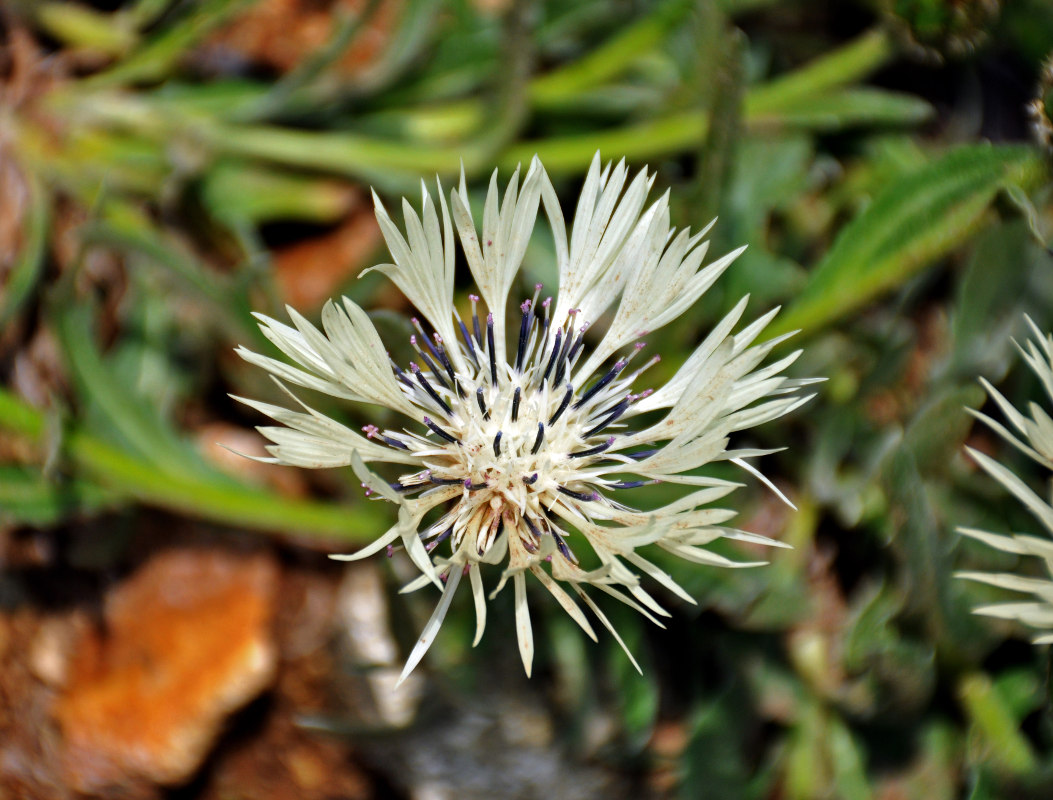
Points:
[(159, 166)]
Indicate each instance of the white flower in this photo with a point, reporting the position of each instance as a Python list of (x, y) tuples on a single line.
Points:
[(1037, 444), (523, 440)]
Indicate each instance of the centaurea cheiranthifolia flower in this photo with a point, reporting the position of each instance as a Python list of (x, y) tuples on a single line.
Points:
[(1037, 444), (522, 440)]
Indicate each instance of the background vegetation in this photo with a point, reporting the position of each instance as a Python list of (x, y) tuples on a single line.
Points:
[(167, 166)]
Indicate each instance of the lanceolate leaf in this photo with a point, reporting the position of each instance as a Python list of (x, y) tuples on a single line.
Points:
[(27, 497), (909, 225)]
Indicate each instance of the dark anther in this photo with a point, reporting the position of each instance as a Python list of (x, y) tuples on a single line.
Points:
[(435, 370), (431, 392), (399, 373), (539, 439), (492, 348), (444, 481), (423, 335), (524, 330), (561, 364), (563, 404), (641, 455), (497, 444), (471, 487), (562, 547), (533, 526), (578, 342), (615, 412), (600, 384), (583, 496), (592, 451), (515, 404), (444, 359), (468, 341), (442, 537), (440, 432), (531, 480), (482, 403), (554, 356)]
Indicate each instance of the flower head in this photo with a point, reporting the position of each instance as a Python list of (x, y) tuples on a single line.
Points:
[(1037, 444), (524, 439)]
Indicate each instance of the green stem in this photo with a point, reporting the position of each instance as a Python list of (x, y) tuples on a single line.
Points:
[(845, 65), (242, 506), (608, 59), (1000, 732), (648, 139)]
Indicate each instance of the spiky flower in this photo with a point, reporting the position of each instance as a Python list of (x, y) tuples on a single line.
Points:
[(1037, 444), (523, 441)]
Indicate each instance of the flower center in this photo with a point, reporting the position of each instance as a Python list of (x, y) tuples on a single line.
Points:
[(520, 440)]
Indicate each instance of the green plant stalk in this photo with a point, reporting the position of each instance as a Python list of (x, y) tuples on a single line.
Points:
[(28, 497), (242, 506), (988, 713), (371, 158), (883, 246), (80, 26), (156, 57), (686, 129), (344, 152), (608, 59), (848, 64), (29, 264)]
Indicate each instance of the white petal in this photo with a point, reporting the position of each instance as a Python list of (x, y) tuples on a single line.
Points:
[(607, 624), (434, 623), (524, 633), (479, 596)]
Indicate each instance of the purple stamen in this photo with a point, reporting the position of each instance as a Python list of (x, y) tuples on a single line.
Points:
[(492, 348), (427, 387), (554, 356), (592, 451), (601, 383), (468, 342), (440, 432), (563, 405), (539, 439), (584, 497), (616, 412)]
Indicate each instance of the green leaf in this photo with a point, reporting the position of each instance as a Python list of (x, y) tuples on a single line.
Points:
[(937, 432), (921, 541), (845, 108), (195, 495), (157, 56), (27, 497), (122, 415), (234, 190), (79, 26), (991, 300), (609, 59), (638, 695), (908, 226), (847, 760), (715, 762), (995, 725), (29, 265)]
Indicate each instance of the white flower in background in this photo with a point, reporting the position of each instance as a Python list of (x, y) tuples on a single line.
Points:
[(522, 442), (1037, 444)]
